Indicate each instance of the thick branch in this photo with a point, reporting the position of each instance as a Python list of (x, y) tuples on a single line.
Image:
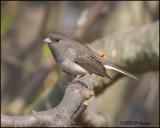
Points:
[(136, 49), (62, 115)]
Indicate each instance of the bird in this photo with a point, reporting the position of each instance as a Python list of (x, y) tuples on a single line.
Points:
[(79, 59)]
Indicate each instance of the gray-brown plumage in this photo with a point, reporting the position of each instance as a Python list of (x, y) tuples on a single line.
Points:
[(78, 58)]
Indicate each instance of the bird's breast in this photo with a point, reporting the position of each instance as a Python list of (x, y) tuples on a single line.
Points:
[(72, 67)]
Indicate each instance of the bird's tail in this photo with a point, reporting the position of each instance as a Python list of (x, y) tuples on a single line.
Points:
[(115, 68)]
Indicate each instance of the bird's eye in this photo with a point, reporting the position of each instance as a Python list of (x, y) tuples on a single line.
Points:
[(56, 40)]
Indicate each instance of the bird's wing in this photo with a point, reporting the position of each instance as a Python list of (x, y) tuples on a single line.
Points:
[(91, 64)]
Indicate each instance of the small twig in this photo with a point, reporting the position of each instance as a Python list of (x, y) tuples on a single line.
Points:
[(88, 17)]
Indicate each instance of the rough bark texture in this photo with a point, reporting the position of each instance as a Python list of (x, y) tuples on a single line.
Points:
[(64, 114)]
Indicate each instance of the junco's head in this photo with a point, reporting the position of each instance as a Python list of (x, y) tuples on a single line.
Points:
[(55, 38), (58, 42)]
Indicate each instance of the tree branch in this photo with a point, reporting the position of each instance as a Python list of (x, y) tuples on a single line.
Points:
[(88, 18), (62, 115), (137, 49)]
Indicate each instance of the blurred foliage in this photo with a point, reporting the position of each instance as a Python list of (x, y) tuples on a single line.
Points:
[(5, 21), (45, 51), (8, 11)]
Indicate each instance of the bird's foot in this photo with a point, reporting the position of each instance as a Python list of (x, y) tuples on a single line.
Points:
[(77, 79)]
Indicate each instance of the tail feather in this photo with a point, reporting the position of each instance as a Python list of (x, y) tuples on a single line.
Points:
[(115, 68)]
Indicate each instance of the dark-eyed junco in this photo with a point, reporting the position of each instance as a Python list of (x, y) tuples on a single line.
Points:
[(79, 59)]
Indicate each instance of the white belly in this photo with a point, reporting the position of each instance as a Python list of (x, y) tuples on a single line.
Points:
[(73, 68)]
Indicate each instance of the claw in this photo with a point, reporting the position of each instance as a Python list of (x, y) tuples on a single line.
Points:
[(77, 80)]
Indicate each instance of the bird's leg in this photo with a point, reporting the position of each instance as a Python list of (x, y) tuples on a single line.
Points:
[(77, 80), (79, 76)]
